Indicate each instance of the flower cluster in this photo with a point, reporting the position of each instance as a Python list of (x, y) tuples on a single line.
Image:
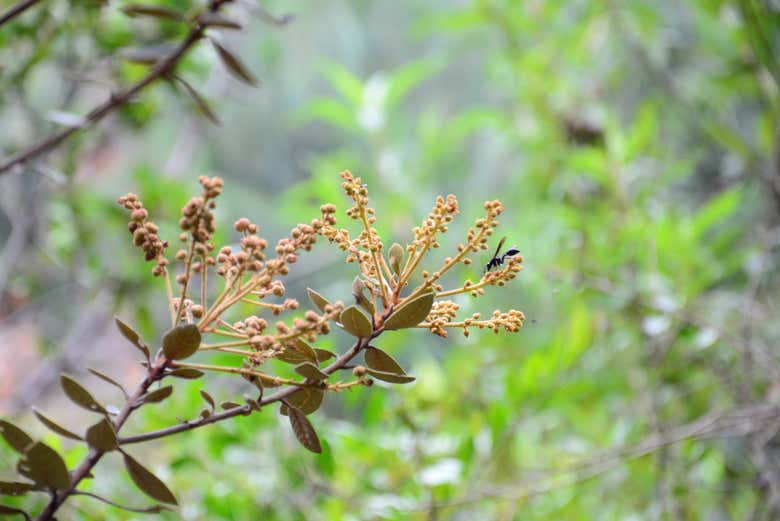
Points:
[(145, 232)]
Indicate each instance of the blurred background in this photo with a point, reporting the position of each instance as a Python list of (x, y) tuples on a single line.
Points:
[(635, 146)]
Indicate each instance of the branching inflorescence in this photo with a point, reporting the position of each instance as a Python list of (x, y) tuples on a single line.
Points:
[(250, 277)]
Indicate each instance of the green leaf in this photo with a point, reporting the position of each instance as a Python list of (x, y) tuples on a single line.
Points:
[(157, 395), (234, 65), (303, 430), (329, 111), (15, 488), (62, 431), (181, 342), (355, 322), (102, 436), (11, 511), (411, 312), (148, 482), (344, 81), (306, 399), (318, 300), (108, 379), (406, 78), (154, 11), (297, 353), (380, 361), (130, 334), (324, 354), (311, 371), (390, 377), (14, 436), (209, 400), (186, 373), (79, 395), (395, 256), (44, 466)]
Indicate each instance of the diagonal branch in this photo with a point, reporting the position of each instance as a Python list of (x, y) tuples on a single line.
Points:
[(16, 10), (161, 69), (340, 363)]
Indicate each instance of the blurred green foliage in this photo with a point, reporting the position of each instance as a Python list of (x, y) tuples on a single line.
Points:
[(634, 145)]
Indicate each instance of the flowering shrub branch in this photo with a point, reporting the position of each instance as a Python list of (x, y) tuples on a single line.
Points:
[(384, 301)]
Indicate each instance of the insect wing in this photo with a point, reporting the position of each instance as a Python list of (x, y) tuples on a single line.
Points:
[(500, 243)]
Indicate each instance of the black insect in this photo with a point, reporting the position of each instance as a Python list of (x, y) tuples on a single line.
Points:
[(497, 260)]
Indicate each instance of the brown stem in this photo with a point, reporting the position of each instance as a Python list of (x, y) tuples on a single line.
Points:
[(339, 363), (160, 70), (94, 455), (17, 10)]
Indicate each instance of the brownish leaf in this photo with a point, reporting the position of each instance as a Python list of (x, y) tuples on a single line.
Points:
[(200, 102), (16, 437), (356, 322), (306, 399), (108, 379), (303, 430), (44, 466), (130, 334), (102, 436), (207, 397), (390, 377), (186, 373), (317, 299), (59, 429), (309, 370), (181, 342), (380, 361), (79, 395), (410, 313), (234, 65), (149, 484)]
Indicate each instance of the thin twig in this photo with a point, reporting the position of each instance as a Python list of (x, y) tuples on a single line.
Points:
[(17, 10), (159, 70), (340, 362)]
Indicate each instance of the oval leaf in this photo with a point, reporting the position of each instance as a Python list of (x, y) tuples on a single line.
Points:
[(148, 482), (207, 397), (305, 399), (324, 354), (390, 377), (79, 395), (396, 256), (62, 431), (158, 395), (186, 373), (108, 379), (181, 342), (234, 65), (297, 353), (318, 300), (229, 405), (16, 437), (303, 430), (380, 361), (356, 322), (311, 371), (44, 466), (130, 334), (102, 436), (410, 313)]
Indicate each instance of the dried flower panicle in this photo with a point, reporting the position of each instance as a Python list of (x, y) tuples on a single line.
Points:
[(144, 232)]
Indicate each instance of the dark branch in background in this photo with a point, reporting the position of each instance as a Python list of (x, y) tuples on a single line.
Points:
[(161, 69), (17, 10)]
